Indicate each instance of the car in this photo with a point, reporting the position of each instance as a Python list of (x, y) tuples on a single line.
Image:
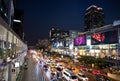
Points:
[(107, 79), (75, 60), (99, 78), (69, 75), (103, 74), (96, 72), (52, 65), (59, 69), (71, 68), (82, 77), (45, 69), (48, 62), (61, 66), (83, 68), (102, 78)]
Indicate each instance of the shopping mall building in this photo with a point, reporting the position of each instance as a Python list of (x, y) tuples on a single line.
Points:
[(100, 42)]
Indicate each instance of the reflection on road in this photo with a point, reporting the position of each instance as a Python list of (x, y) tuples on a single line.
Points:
[(33, 73)]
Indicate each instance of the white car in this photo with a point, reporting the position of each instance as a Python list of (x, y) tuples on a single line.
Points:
[(61, 66), (82, 77), (69, 75), (48, 62)]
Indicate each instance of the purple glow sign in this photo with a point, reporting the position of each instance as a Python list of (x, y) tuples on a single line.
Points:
[(80, 40)]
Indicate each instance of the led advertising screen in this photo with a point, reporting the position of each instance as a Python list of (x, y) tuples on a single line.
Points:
[(109, 37), (80, 40)]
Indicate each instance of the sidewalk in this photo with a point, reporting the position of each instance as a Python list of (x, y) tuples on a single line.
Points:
[(2, 73), (13, 77)]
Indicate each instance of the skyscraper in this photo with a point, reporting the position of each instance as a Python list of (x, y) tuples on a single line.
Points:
[(18, 23), (7, 11), (94, 18), (51, 33)]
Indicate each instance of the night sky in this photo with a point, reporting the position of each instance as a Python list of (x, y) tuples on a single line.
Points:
[(41, 15)]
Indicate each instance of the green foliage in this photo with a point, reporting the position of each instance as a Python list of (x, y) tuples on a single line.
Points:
[(91, 60)]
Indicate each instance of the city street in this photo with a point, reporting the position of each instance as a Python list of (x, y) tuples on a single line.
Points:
[(76, 71), (33, 73), (59, 40)]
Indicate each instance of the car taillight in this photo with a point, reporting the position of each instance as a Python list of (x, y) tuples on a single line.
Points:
[(75, 80)]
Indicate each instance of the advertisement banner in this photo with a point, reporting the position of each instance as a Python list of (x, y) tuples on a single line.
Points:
[(109, 37)]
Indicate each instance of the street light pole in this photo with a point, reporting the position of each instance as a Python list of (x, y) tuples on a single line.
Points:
[(117, 50)]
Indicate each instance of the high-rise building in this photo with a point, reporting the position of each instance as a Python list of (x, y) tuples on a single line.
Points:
[(57, 34), (59, 38), (94, 18), (15, 3), (52, 33), (18, 23), (7, 11)]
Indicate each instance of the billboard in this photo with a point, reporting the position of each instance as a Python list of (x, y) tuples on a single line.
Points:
[(109, 37), (80, 40)]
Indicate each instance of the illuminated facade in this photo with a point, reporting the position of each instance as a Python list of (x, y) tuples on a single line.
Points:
[(52, 33), (103, 42), (59, 38)]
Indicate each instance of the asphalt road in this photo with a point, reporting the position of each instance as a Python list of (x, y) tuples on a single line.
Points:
[(33, 73)]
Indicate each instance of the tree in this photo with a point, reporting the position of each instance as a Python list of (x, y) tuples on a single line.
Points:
[(42, 44)]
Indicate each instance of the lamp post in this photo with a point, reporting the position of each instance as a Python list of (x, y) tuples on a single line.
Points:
[(117, 47), (117, 54)]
